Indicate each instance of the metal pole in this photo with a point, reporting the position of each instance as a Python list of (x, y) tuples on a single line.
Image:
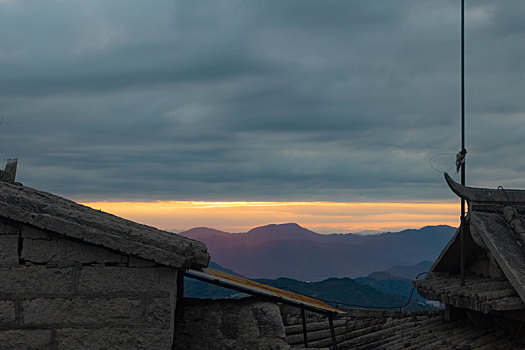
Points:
[(332, 331), (305, 335), (462, 233)]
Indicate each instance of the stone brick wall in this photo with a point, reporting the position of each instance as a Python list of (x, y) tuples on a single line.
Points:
[(248, 323), (58, 293)]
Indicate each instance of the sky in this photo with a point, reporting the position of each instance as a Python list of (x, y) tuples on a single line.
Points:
[(132, 104)]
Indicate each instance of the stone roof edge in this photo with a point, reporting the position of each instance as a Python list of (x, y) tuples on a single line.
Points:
[(192, 258)]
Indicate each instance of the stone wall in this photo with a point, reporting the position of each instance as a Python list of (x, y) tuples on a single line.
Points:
[(247, 323), (58, 293)]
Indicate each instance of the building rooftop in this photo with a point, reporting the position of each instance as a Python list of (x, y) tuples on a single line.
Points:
[(423, 331), (379, 329), (494, 254), (483, 294), (50, 212)]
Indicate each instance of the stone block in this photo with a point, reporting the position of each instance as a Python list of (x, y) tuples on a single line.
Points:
[(8, 250), (160, 311), (8, 228), (114, 280), (61, 250), (230, 324), (268, 319), (7, 314), (34, 233), (78, 311), (35, 280), (114, 339), (138, 262), (26, 339)]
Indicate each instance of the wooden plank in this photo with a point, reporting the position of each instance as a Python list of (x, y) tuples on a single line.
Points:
[(251, 287)]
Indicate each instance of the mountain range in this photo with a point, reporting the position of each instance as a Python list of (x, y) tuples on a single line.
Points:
[(378, 290), (291, 251)]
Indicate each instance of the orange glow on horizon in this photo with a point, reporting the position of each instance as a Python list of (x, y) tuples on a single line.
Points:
[(322, 217)]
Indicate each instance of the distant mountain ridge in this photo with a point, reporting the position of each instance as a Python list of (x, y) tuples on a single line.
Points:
[(289, 250), (390, 284), (410, 272), (379, 289)]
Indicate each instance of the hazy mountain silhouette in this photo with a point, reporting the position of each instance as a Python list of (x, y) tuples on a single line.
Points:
[(397, 280), (341, 291), (289, 250), (379, 289), (204, 232), (410, 272)]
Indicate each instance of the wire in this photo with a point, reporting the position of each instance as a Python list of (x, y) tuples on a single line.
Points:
[(439, 155), (504, 192), (337, 303)]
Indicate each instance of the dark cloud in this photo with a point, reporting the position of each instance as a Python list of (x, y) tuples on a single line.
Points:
[(259, 100)]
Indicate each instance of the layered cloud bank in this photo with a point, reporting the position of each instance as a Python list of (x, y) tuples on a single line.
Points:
[(259, 100)]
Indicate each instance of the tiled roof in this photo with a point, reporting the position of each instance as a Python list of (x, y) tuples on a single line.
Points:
[(369, 329), (494, 255), (478, 294), (424, 332)]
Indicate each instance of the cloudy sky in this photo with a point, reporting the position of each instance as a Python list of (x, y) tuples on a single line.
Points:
[(269, 101)]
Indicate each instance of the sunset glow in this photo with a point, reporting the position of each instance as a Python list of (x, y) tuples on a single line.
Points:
[(322, 217)]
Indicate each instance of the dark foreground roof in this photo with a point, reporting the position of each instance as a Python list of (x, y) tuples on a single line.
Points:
[(494, 255), (371, 329), (428, 331), (479, 293), (49, 212)]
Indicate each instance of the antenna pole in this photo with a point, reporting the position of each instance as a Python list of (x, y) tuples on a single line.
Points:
[(463, 150)]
